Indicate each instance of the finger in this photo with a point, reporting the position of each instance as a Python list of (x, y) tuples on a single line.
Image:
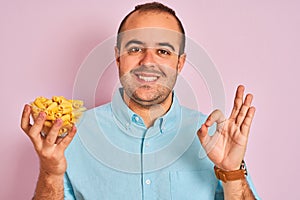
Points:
[(245, 128), (67, 139), (243, 111), (36, 128), (203, 134), (59, 139), (238, 101), (208, 142), (216, 116), (25, 120), (53, 133)]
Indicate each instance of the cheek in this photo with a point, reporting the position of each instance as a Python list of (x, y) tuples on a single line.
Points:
[(170, 68), (172, 63), (126, 64)]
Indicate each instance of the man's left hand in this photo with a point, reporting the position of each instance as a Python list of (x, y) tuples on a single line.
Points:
[(227, 146)]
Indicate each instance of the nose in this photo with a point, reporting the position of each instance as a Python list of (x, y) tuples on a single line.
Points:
[(147, 56)]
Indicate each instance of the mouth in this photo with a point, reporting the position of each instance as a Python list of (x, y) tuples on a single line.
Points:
[(147, 77)]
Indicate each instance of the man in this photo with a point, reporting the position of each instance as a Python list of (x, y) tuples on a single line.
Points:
[(142, 145)]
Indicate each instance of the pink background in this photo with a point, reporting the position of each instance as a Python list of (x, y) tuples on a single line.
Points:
[(256, 43)]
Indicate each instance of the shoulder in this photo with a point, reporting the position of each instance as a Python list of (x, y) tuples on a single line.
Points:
[(102, 110), (192, 115), (105, 108)]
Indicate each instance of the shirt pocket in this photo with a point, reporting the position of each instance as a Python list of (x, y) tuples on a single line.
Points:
[(193, 185)]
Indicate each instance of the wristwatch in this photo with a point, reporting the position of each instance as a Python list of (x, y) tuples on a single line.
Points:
[(231, 175)]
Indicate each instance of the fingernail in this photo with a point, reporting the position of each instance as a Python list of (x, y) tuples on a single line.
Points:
[(58, 122), (41, 115), (26, 108)]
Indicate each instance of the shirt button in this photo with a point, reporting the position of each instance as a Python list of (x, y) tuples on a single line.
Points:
[(147, 144), (148, 181)]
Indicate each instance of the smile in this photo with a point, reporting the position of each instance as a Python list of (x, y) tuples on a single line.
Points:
[(147, 78)]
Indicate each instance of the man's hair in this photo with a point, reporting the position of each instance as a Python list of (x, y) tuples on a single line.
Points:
[(155, 7)]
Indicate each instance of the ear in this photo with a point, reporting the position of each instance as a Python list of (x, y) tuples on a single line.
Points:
[(117, 56), (181, 61)]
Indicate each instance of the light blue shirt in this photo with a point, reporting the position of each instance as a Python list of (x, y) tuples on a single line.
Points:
[(114, 156)]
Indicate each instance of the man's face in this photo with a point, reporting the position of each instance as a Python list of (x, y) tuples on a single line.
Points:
[(148, 57)]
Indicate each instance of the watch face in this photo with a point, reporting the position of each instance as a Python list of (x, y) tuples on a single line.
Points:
[(243, 167)]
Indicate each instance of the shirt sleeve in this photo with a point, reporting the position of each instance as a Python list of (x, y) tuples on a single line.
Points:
[(68, 189), (219, 195)]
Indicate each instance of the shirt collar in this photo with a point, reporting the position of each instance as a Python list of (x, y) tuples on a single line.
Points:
[(127, 118)]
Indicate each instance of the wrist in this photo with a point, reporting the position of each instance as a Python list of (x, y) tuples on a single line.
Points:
[(52, 177), (53, 170)]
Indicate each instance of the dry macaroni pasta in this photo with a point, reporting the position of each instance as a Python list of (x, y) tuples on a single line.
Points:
[(69, 111)]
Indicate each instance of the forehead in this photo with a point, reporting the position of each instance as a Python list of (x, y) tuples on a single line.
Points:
[(151, 27), (152, 36)]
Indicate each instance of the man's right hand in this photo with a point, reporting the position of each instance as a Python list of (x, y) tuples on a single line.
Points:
[(50, 149)]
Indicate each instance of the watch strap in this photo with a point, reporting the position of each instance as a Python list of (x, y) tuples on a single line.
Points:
[(231, 175)]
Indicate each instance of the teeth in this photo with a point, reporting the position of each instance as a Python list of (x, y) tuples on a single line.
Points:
[(147, 78)]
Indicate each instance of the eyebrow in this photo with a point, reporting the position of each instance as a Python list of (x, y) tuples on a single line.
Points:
[(133, 42), (141, 43), (166, 44)]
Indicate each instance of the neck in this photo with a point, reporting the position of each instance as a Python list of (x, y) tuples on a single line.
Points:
[(149, 113)]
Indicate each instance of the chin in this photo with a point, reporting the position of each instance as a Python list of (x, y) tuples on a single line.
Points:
[(150, 99)]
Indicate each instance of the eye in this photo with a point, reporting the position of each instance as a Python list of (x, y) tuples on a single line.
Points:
[(164, 52), (133, 50)]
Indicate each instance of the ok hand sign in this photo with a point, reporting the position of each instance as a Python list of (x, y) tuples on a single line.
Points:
[(227, 146)]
